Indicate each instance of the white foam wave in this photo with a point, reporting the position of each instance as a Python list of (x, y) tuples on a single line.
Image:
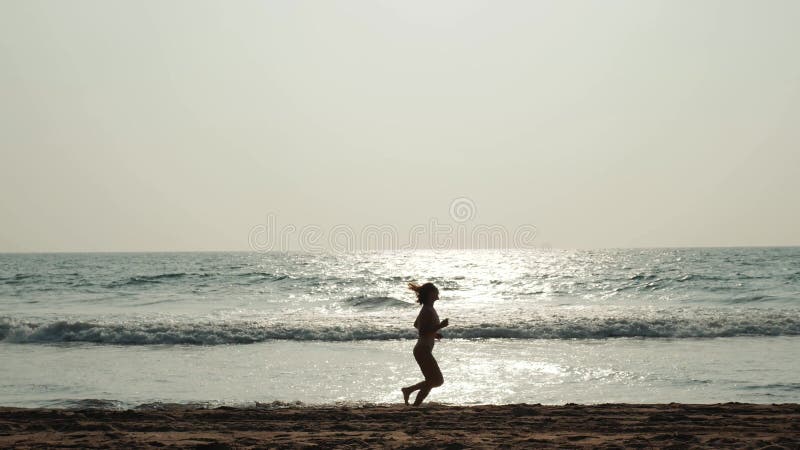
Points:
[(784, 323)]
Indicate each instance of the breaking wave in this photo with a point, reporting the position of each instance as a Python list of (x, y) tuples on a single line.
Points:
[(246, 332)]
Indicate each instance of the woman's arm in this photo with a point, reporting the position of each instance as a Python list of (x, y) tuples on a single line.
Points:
[(427, 324)]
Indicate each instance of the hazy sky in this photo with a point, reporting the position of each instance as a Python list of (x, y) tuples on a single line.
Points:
[(179, 125)]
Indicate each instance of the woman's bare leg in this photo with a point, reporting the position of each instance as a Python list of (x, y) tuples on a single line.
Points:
[(407, 391), (423, 392), (433, 376)]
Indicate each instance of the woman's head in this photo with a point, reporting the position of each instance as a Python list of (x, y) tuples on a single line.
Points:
[(426, 293)]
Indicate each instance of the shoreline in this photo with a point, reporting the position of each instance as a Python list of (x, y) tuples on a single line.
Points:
[(397, 426)]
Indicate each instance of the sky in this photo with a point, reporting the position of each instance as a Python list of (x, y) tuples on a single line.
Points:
[(185, 125)]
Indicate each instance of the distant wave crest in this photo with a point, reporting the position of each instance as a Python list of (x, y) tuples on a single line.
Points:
[(376, 302), (146, 279)]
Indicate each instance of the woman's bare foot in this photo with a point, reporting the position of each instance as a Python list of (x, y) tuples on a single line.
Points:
[(406, 393)]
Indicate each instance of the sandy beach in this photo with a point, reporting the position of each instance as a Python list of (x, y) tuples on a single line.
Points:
[(730, 425)]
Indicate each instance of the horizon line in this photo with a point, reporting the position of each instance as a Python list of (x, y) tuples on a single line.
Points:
[(655, 247)]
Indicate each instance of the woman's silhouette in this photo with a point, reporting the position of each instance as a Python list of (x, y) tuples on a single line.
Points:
[(428, 325)]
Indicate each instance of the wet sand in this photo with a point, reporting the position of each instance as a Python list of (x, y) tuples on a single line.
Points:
[(730, 425)]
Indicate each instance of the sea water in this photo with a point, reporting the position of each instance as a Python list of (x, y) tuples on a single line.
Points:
[(536, 326)]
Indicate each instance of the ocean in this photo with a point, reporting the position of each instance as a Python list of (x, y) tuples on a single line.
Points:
[(121, 330)]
